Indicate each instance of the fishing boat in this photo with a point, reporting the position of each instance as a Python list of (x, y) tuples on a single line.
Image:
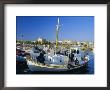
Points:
[(58, 62), (54, 60)]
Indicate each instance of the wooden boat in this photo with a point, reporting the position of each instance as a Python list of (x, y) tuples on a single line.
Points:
[(36, 66)]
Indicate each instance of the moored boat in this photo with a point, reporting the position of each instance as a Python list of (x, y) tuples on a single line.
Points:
[(58, 62)]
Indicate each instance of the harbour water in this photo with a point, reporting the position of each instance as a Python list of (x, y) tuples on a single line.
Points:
[(91, 64)]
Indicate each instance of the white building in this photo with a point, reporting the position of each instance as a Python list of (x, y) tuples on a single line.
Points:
[(39, 39), (67, 41)]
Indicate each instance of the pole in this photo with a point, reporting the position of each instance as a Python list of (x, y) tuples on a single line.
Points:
[(57, 30), (22, 41), (56, 39)]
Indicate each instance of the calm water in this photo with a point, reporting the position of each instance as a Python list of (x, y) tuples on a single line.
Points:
[(91, 64)]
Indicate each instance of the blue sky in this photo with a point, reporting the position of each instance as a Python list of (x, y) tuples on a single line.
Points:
[(78, 28)]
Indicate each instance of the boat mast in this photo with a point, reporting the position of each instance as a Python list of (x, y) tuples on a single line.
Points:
[(57, 31)]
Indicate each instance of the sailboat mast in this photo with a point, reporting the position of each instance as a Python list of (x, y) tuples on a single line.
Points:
[(57, 30)]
